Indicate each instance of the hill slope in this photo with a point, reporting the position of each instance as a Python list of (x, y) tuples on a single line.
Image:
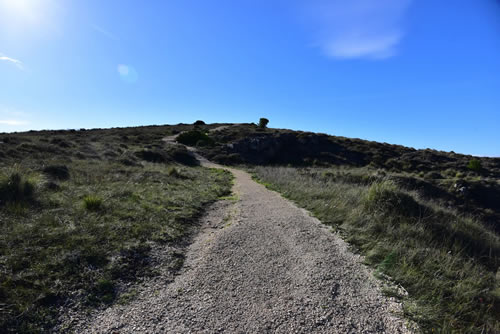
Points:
[(447, 177)]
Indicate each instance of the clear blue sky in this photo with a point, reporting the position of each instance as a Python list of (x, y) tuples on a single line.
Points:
[(420, 73)]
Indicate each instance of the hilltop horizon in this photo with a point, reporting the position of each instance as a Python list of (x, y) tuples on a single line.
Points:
[(271, 127), (417, 73)]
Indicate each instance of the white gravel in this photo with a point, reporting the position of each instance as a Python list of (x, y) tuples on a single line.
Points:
[(258, 265)]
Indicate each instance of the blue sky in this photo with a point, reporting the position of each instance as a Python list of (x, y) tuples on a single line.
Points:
[(419, 73)]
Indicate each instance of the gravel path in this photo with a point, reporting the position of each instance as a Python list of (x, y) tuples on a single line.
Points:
[(259, 265)]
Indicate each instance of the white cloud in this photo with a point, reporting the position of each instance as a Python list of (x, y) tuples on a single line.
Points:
[(104, 32), (358, 28), (12, 122), (16, 62)]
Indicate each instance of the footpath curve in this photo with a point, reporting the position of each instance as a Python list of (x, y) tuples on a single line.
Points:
[(260, 265)]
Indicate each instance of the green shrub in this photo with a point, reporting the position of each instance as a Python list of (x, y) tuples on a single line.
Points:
[(198, 122), (152, 155), (92, 202), (16, 188), (181, 155), (263, 123), (474, 165), (195, 137), (385, 196)]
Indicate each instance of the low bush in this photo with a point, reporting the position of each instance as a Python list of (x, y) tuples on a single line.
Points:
[(263, 123), (61, 142), (474, 165), (16, 188), (385, 196), (195, 137), (181, 155), (157, 156), (60, 172)]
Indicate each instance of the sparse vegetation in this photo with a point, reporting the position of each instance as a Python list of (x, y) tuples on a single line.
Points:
[(77, 224), (447, 262), (80, 211), (442, 176)]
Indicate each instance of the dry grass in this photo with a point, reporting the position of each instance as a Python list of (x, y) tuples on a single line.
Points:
[(447, 262), (79, 212)]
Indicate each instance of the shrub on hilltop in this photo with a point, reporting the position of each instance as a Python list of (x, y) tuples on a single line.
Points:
[(263, 123), (195, 137)]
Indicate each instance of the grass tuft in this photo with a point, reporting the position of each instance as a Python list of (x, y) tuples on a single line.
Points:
[(172, 171), (16, 188), (92, 203)]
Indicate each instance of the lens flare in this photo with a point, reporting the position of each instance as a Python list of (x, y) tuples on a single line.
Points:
[(127, 73)]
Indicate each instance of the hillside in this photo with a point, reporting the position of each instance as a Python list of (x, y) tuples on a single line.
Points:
[(446, 177), (87, 215)]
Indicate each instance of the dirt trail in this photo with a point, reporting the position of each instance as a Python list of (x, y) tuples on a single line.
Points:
[(259, 265)]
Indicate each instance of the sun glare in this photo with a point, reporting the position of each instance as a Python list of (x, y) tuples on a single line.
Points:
[(26, 11)]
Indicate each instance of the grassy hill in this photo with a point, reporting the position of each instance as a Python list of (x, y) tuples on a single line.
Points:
[(81, 212), (469, 184)]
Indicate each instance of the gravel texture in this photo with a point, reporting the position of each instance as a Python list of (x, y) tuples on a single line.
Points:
[(258, 265)]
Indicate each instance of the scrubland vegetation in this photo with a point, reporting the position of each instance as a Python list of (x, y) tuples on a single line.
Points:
[(448, 262), (466, 183), (80, 212)]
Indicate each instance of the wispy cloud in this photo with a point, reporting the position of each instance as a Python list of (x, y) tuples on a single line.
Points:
[(16, 62), (358, 28), (104, 32), (11, 117), (12, 122)]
